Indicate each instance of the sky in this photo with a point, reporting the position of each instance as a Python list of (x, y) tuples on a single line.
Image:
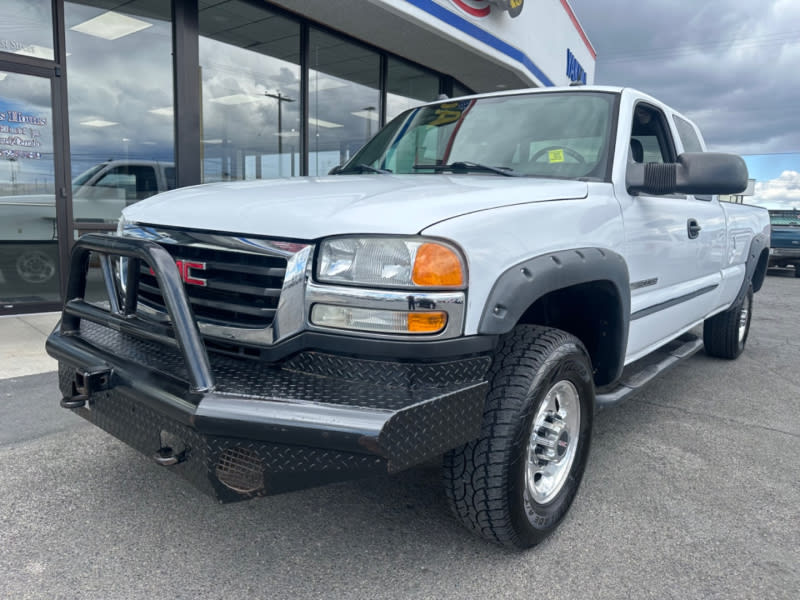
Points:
[(732, 66)]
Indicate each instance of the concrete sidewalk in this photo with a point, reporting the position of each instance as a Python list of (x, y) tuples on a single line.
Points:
[(22, 340)]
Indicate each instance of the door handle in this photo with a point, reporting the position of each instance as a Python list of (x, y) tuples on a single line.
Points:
[(693, 228)]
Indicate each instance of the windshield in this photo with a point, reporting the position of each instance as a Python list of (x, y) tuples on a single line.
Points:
[(787, 218), (86, 176), (554, 134)]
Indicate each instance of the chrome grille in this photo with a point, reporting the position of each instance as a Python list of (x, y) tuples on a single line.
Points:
[(224, 287)]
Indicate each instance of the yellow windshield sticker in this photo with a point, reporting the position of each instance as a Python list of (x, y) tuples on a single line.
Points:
[(556, 156), (446, 113)]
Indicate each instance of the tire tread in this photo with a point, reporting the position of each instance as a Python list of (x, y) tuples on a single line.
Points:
[(481, 500), (721, 332)]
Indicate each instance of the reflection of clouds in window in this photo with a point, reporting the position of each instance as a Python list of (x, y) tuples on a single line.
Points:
[(407, 87), (27, 28), (120, 80), (341, 120), (395, 104), (343, 100), (251, 99), (36, 95), (26, 137)]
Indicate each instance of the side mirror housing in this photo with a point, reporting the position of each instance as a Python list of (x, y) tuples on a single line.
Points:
[(695, 173), (335, 170)]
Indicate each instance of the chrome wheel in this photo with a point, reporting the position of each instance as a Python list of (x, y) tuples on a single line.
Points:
[(744, 317), (553, 442), (515, 483)]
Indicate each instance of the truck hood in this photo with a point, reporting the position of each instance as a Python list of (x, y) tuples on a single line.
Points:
[(315, 207)]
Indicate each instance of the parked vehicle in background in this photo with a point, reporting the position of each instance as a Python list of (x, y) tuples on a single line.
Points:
[(472, 284), (784, 250), (28, 244)]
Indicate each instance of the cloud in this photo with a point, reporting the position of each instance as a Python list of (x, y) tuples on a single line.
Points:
[(782, 192), (729, 65)]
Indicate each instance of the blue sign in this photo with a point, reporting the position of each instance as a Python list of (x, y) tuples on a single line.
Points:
[(575, 71)]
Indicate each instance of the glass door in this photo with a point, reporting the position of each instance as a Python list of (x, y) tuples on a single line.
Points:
[(29, 269)]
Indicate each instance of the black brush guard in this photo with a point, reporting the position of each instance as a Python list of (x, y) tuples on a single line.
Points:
[(239, 428)]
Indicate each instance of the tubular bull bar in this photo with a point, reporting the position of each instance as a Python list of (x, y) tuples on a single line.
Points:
[(239, 427)]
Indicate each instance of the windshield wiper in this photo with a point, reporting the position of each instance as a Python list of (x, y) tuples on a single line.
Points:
[(467, 167), (360, 168)]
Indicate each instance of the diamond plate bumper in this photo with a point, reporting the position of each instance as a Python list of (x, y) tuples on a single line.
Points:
[(237, 427)]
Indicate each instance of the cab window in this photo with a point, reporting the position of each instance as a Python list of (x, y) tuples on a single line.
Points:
[(137, 182), (689, 139), (651, 141)]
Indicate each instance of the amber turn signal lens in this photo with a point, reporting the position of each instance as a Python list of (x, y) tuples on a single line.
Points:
[(426, 322), (437, 265)]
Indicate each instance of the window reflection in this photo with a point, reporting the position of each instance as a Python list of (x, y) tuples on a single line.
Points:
[(461, 90), (408, 86), (344, 100), (249, 58), (120, 112), (27, 28), (120, 106), (28, 237)]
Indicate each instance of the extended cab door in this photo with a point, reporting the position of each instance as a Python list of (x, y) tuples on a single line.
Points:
[(674, 244)]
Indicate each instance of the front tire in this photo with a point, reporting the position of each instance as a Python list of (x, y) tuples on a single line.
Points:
[(725, 334), (515, 483)]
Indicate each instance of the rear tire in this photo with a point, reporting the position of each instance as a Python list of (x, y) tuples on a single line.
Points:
[(514, 484), (725, 334)]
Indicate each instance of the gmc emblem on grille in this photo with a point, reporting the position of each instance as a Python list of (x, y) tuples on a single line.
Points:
[(185, 267), (183, 270)]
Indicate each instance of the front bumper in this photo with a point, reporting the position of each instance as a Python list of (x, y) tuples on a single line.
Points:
[(239, 428), (782, 256)]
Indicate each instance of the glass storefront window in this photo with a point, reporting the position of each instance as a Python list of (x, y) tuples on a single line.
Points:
[(461, 90), (120, 106), (27, 28), (407, 86), (249, 58), (121, 121), (28, 236), (344, 100)]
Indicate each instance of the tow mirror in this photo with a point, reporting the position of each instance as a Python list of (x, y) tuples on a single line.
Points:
[(695, 173)]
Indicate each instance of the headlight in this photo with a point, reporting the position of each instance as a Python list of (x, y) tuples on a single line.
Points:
[(391, 262)]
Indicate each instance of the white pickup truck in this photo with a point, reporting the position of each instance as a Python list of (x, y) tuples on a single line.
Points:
[(28, 243), (474, 283)]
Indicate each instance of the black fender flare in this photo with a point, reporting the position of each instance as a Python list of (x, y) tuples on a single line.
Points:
[(758, 244), (523, 284)]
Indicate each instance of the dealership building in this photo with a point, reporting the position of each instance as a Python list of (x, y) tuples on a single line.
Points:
[(105, 102)]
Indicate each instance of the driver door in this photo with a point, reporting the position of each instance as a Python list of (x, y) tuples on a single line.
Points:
[(674, 244)]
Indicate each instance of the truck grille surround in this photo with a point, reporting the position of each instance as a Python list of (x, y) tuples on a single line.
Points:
[(223, 287), (236, 427), (250, 293)]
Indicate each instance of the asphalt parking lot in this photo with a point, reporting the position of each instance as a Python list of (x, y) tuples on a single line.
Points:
[(692, 491)]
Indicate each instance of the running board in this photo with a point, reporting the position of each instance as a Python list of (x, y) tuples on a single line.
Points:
[(638, 374)]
